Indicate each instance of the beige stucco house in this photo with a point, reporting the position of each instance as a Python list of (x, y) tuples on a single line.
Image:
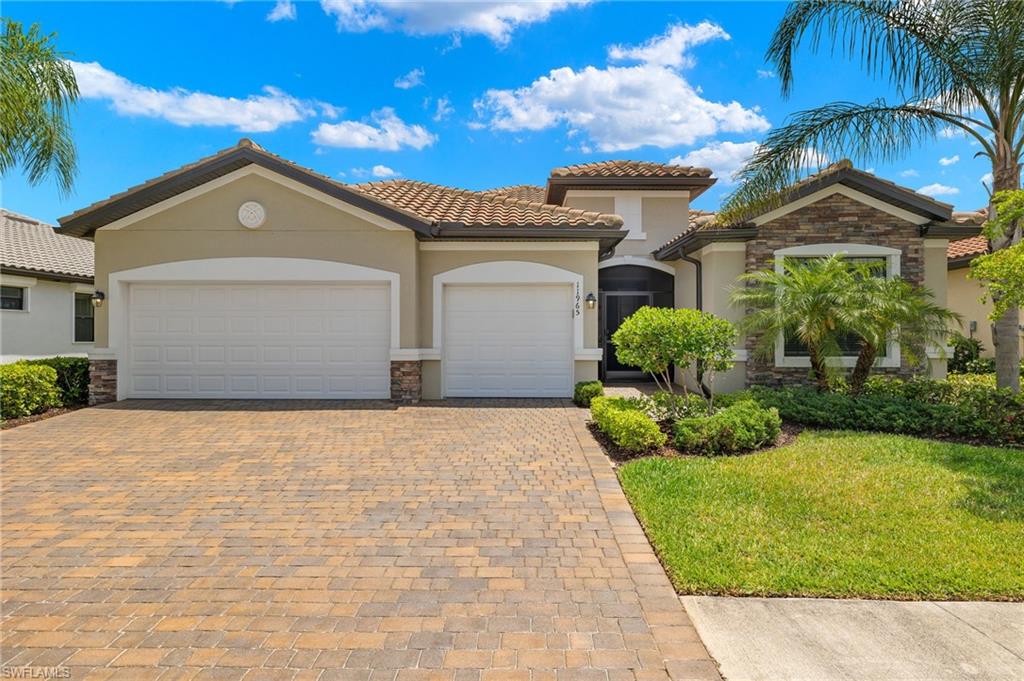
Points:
[(243, 275), (46, 281)]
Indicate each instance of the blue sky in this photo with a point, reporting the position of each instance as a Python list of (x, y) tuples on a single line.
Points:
[(475, 95)]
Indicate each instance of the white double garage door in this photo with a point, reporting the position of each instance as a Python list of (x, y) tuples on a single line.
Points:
[(262, 341)]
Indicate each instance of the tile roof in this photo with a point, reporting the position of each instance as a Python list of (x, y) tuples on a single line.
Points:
[(699, 219), (964, 248), (526, 192), (629, 169), (462, 207), (28, 244)]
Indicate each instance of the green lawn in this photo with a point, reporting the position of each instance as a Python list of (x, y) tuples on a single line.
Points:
[(839, 514)]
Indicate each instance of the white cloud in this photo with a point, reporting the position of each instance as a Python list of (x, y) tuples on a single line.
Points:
[(986, 179), (910, 172), (443, 110), (496, 20), (618, 107), (410, 80), (255, 113), (724, 158), (384, 171), (765, 73), (669, 48), (387, 132), (283, 10), (936, 189), (948, 161)]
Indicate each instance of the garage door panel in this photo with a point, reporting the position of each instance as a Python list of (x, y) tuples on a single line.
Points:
[(252, 341), (508, 341)]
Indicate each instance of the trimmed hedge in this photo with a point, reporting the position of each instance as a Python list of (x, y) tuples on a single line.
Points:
[(585, 391), (27, 389), (961, 407), (741, 427), (72, 377), (626, 424)]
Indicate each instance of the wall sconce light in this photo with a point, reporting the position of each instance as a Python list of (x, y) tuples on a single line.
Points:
[(591, 301), (97, 299)]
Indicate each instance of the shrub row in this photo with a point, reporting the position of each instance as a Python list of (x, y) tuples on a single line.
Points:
[(740, 427), (626, 423), (34, 386), (962, 407)]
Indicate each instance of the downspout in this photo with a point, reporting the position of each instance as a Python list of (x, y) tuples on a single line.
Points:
[(699, 290)]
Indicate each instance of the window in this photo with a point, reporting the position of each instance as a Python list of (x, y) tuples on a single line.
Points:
[(84, 323), (849, 344), (789, 352), (12, 298)]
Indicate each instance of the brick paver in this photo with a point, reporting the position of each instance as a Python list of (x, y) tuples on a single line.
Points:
[(303, 540)]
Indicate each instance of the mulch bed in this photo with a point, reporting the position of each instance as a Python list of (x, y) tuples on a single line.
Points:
[(14, 423), (617, 454)]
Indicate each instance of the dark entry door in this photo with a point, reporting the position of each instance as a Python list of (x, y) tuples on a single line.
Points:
[(615, 307)]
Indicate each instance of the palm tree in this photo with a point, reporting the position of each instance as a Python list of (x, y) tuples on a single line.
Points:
[(883, 310), (37, 90), (957, 65), (807, 300)]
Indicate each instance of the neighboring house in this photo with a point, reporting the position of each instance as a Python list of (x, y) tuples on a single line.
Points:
[(244, 275), (46, 281), (964, 295)]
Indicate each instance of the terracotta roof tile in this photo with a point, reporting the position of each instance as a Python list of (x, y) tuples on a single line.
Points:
[(629, 169), (963, 248), (479, 209), (28, 244), (525, 192)]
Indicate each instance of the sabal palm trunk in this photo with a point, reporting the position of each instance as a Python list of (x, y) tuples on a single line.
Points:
[(1006, 329), (861, 371)]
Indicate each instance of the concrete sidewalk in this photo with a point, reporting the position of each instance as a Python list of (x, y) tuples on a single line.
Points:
[(808, 639)]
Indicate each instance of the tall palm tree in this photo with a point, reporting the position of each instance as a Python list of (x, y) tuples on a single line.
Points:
[(957, 65), (807, 300), (37, 91), (884, 310)]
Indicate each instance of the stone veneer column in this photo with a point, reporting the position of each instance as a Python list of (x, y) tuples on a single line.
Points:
[(102, 381), (406, 380)]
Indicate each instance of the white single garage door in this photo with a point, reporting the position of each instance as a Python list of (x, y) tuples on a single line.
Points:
[(259, 341), (508, 341)]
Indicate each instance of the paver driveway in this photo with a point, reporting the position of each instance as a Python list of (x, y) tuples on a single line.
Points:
[(227, 540)]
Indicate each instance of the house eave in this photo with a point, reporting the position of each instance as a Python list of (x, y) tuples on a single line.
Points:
[(43, 274), (698, 239), (558, 186)]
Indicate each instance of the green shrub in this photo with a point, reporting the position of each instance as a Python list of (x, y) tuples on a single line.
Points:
[(626, 423), (664, 404), (964, 406), (72, 377), (26, 389), (979, 365), (741, 427), (584, 391), (965, 350)]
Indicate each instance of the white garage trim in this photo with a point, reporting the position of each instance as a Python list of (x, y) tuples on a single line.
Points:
[(246, 171), (237, 271), (508, 272)]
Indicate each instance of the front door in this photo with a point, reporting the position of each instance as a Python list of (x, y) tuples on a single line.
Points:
[(615, 307)]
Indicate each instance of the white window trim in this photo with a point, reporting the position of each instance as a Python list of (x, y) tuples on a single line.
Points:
[(24, 283), (892, 357), (253, 270), (76, 289)]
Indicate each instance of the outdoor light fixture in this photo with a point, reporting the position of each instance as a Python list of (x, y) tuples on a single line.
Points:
[(97, 298), (591, 301)]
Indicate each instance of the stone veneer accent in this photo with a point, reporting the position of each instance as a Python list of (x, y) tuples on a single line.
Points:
[(406, 380), (834, 219), (102, 381)]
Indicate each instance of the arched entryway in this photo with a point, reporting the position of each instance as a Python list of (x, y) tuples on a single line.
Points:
[(624, 289)]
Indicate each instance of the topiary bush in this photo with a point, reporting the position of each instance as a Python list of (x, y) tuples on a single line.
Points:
[(72, 377), (27, 389), (741, 427), (626, 423), (585, 391)]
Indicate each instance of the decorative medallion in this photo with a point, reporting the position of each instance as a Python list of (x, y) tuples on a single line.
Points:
[(251, 214)]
